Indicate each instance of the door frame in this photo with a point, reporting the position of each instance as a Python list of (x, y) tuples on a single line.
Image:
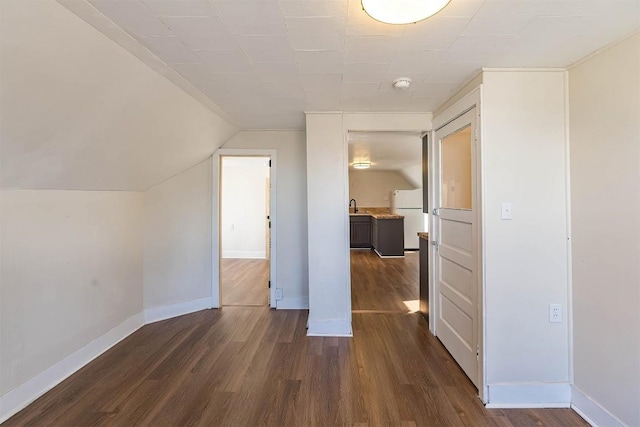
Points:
[(465, 104), (216, 173)]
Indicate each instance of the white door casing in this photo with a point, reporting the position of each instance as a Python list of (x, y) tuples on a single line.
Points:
[(456, 284)]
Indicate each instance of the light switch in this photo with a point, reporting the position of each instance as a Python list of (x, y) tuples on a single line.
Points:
[(506, 210)]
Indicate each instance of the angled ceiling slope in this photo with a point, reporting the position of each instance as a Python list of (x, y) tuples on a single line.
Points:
[(264, 62)]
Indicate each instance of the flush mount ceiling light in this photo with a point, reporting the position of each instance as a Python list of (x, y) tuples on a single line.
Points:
[(402, 11), (362, 165), (402, 83)]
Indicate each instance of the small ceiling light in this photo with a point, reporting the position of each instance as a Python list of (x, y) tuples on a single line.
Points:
[(402, 11), (362, 165), (402, 83)]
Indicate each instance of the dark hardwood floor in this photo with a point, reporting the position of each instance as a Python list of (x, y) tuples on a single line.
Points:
[(251, 366), (244, 281)]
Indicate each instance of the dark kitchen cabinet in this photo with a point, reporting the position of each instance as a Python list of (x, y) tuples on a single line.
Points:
[(424, 277), (387, 236), (360, 231)]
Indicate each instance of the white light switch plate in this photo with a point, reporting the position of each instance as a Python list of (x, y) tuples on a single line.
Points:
[(506, 210)]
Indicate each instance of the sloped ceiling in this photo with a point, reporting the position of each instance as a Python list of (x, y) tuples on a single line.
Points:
[(264, 62), (80, 112)]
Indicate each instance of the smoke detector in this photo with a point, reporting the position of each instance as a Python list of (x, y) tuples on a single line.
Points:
[(402, 83)]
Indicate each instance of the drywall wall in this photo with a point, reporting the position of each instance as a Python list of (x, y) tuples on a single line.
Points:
[(291, 209), (525, 259), (177, 239), (80, 112), (327, 205), (373, 188), (604, 94), (70, 271), (243, 207)]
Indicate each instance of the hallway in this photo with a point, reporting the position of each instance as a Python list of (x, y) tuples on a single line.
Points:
[(248, 366)]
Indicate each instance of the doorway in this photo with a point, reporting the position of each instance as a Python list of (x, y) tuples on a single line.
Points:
[(455, 225), (244, 230)]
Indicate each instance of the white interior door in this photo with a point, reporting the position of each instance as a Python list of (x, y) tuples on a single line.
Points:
[(456, 283)]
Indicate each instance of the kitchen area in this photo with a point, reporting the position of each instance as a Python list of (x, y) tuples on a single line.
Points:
[(386, 208)]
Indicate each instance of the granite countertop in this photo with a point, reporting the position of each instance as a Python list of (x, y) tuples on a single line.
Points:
[(377, 213), (423, 235)]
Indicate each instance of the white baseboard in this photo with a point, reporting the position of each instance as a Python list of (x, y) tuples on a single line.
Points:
[(592, 411), (329, 328), (293, 303), (529, 395), (21, 396), (156, 314), (245, 254)]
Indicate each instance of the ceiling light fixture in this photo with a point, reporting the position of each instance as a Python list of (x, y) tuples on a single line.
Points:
[(362, 165), (402, 83), (402, 11)]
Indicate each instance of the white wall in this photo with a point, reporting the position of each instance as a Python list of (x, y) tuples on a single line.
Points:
[(243, 207), (327, 204), (604, 94), (177, 239), (291, 209), (373, 188), (80, 112), (525, 259), (70, 271)]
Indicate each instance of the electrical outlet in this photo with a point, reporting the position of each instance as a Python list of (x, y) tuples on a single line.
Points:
[(555, 313), (278, 294), (506, 210)]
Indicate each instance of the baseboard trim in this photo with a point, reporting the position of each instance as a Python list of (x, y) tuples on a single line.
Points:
[(529, 395), (293, 303), (329, 328), (157, 314), (592, 412), (245, 254), (21, 396)]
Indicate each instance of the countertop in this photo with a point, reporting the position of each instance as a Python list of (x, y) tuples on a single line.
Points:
[(377, 213), (423, 235)]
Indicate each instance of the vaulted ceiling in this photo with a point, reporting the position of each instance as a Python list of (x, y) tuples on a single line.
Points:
[(265, 62)]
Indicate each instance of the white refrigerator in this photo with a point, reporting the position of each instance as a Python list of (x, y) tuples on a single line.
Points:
[(408, 203)]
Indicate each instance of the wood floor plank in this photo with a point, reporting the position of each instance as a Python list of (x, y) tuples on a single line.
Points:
[(253, 366)]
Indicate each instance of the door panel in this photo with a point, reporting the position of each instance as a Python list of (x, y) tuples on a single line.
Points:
[(456, 282)]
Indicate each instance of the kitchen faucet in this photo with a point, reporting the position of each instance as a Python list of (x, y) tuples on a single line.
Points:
[(355, 205)]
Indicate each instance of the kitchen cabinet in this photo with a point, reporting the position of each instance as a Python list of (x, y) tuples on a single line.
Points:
[(360, 231), (387, 236), (424, 277)]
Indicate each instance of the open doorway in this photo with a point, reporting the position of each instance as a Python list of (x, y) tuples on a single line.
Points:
[(385, 216), (245, 230)]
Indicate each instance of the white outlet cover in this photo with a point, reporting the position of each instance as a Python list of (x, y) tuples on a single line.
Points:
[(555, 313)]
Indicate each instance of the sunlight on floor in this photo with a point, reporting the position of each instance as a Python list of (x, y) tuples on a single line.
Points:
[(412, 305)]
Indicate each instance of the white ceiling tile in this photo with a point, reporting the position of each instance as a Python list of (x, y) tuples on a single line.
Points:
[(266, 48), (414, 62), (322, 99), (267, 10), (327, 42), (275, 71), (458, 8), (310, 62), (366, 72), (224, 61), (316, 26), (180, 7), (370, 48), (169, 49), (437, 33), (495, 26), (306, 8), (206, 33), (447, 72), (321, 82), (132, 16), (478, 49)]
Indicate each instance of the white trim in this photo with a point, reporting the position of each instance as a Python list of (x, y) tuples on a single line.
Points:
[(293, 303), (466, 103), (592, 411), (569, 242), (215, 218), (21, 396), (329, 328), (156, 314), (529, 395), (244, 254)]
